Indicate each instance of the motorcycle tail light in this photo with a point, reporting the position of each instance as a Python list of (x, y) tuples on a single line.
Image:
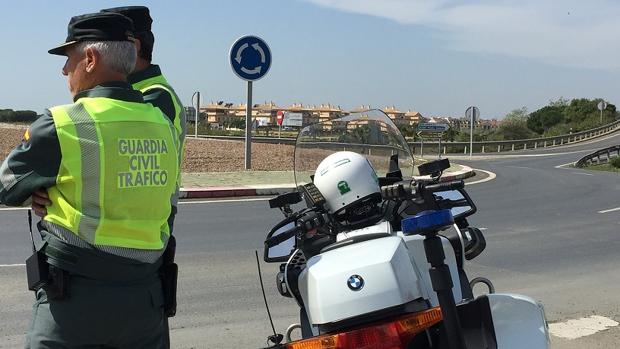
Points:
[(388, 335)]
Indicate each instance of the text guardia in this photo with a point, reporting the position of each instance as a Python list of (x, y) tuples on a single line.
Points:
[(143, 163)]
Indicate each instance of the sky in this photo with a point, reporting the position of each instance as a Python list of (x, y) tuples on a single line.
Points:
[(436, 57)]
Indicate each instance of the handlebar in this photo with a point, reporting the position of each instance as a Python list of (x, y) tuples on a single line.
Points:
[(275, 240), (408, 189), (452, 185)]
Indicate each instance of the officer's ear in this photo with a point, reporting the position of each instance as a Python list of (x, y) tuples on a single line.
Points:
[(92, 58), (138, 45)]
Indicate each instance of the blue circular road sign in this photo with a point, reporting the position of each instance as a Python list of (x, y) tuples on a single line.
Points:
[(250, 58)]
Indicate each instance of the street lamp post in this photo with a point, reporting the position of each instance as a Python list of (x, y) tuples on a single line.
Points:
[(197, 95)]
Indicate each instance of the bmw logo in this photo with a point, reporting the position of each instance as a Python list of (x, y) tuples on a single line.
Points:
[(355, 282)]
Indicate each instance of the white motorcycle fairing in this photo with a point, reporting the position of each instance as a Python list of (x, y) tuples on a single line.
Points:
[(386, 279), (519, 322), (393, 270)]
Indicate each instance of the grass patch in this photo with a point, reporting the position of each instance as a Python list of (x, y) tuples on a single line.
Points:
[(603, 167)]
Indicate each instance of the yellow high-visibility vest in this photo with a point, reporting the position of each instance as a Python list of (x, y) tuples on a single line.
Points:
[(160, 81), (117, 173)]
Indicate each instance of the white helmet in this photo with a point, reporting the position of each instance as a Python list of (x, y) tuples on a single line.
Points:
[(347, 180)]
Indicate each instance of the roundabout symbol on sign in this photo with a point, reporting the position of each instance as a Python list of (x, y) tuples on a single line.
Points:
[(250, 58)]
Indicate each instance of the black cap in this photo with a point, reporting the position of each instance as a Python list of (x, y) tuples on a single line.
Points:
[(96, 27), (139, 15)]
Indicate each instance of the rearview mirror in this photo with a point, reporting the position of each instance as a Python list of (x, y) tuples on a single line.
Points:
[(282, 251), (475, 242), (457, 201)]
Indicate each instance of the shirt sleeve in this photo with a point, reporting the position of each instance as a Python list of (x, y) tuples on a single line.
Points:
[(33, 164), (161, 99)]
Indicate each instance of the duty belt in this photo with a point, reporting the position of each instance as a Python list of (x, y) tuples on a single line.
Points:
[(94, 264)]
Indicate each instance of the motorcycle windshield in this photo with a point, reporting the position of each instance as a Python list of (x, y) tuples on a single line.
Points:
[(370, 133)]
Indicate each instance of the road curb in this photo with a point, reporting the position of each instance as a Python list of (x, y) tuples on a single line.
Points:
[(277, 189)]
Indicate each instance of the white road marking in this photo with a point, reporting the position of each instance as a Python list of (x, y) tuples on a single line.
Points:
[(509, 156), (483, 228), (610, 210), (582, 173), (523, 167), (14, 208), (563, 166), (490, 178), (12, 265), (573, 329), (190, 202)]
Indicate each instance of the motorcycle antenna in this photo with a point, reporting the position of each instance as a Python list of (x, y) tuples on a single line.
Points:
[(276, 338)]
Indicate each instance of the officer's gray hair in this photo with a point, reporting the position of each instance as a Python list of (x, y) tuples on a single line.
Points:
[(120, 56)]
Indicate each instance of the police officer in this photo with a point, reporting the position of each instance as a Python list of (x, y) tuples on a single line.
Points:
[(100, 159), (148, 79)]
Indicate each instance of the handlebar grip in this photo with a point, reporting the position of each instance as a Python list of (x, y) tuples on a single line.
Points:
[(275, 240), (452, 185), (400, 190)]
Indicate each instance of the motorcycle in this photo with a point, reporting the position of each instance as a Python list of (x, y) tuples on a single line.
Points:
[(379, 261)]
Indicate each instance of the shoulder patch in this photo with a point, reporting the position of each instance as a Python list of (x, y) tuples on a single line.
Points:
[(27, 135)]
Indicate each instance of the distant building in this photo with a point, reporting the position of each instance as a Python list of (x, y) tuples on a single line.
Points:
[(309, 117), (401, 118), (463, 123), (222, 114)]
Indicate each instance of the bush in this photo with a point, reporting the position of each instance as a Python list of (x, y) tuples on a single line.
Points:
[(9, 115), (615, 162)]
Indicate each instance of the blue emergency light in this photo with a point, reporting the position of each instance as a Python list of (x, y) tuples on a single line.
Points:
[(427, 221)]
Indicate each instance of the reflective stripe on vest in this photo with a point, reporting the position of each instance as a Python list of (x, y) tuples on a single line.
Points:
[(160, 82), (116, 175)]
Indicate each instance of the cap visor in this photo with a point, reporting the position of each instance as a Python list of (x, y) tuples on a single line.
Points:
[(60, 50)]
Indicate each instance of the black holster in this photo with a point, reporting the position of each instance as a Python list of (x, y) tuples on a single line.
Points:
[(37, 270), (40, 274), (169, 273), (58, 287)]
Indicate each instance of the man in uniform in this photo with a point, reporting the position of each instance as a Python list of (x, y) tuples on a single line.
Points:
[(100, 160), (148, 79)]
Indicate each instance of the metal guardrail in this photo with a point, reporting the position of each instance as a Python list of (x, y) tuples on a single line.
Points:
[(599, 156), (462, 147), (520, 144), (255, 139)]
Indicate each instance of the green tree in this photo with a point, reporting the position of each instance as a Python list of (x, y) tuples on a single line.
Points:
[(579, 109), (514, 125), (558, 130), (561, 102), (361, 134), (406, 130), (450, 135), (545, 118)]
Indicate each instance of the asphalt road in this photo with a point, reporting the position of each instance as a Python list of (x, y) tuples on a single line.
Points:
[(545, 235)]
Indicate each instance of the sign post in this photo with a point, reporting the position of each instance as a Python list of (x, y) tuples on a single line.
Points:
[(250, 59), (197, 113), (279, 119), (472, 113), (601, 106), (433, 129)]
